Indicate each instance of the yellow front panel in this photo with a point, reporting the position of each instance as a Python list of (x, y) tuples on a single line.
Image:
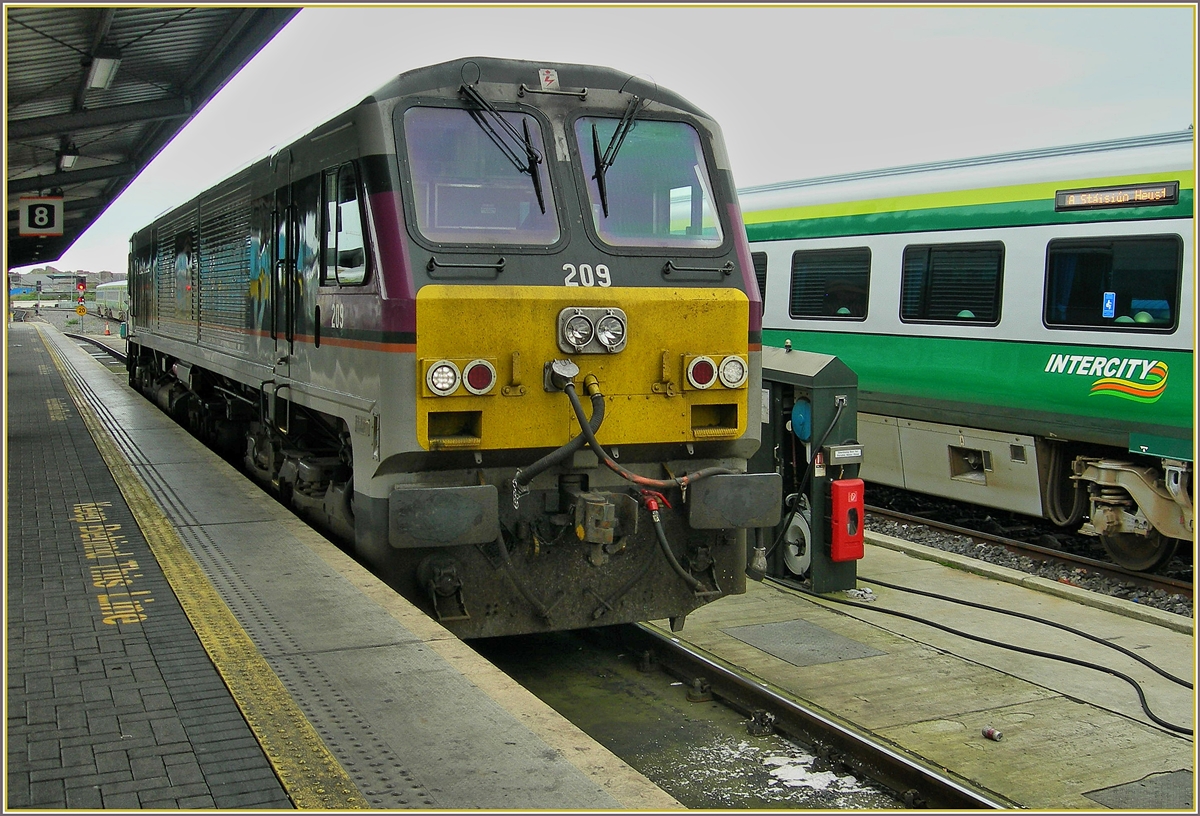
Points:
[(515, 327)]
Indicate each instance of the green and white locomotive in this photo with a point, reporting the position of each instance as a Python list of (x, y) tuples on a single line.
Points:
[(1022, 326)]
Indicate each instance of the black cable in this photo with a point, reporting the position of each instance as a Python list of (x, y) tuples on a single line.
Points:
[(1034, 652), (661, 534), (606, 603), (1035, 619)]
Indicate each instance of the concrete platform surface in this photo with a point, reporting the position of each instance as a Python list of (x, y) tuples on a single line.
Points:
[(1068, 732)]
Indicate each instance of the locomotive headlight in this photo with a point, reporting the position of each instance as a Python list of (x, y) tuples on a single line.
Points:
[(592, 330), (610, 331), (578, 331), (733, 371), (442, 378)]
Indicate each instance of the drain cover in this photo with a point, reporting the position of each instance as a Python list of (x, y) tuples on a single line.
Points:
[(801, 643), (1164, 791)]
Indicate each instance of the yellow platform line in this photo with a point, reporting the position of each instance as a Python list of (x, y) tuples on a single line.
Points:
[(310, 774)]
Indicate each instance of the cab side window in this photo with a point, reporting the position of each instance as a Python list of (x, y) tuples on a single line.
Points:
[(1124, 284), (345, 255)]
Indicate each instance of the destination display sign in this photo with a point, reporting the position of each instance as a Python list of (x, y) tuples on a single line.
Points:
[(1127, 195)]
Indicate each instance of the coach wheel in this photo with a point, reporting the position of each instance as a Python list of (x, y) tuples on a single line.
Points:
[(1140, 553)]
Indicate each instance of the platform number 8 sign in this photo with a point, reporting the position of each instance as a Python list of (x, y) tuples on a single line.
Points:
[(41, 216)]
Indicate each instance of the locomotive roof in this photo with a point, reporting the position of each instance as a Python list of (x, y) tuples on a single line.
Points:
[(472, 70)]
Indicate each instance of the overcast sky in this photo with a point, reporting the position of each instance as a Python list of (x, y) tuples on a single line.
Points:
[(799, 92)]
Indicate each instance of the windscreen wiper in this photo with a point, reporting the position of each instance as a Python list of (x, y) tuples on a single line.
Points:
[(610, 153), (522, 140)]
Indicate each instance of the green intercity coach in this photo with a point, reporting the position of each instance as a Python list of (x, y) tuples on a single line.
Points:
[(1022, 327)]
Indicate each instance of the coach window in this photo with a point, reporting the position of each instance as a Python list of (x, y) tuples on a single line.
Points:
[(345, 253), (760, 271), (831, 283), (1124, 284), (952, 283)]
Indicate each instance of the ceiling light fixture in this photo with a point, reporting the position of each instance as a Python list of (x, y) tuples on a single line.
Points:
[(67, 157), (103, 67)]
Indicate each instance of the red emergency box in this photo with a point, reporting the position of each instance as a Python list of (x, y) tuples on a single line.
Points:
[(846, 520)]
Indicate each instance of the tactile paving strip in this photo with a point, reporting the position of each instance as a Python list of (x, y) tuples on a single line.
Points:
[(347, 734), (368, 761)]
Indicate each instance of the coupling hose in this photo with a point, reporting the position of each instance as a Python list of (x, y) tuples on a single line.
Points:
[(555, 457), (679, 481)]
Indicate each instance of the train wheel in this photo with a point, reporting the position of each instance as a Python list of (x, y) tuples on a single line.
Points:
[(1141, 553)]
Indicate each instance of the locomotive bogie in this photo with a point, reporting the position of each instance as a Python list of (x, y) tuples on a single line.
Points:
[(1021, 325)]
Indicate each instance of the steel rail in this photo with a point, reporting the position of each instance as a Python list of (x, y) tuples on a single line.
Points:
[(1147, 580), (98, 344), (917, 783)]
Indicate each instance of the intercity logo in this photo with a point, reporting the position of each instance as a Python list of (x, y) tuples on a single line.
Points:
[(1124, 377)]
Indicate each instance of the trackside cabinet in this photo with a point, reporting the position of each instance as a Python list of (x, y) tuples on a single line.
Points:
[(809, 437)]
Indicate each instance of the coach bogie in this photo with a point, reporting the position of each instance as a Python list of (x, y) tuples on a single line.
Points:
[(1137, 516)]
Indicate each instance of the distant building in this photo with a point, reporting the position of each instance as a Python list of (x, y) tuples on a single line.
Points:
[(54, 281)]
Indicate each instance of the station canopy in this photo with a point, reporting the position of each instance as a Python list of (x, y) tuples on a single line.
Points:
[(93, 94)]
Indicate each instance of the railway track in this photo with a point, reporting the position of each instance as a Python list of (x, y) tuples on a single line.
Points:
[(1038, 552), (915, 783), (713, 737)]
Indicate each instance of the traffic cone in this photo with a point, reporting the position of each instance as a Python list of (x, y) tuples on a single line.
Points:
[(106, 331)]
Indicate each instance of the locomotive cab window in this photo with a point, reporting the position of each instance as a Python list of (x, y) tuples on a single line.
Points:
[(1125, 284), (345, 251), (648, 184), (831, 283), (471, 185), (952, 283)]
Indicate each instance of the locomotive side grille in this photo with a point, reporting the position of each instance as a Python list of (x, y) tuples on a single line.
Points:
[(225, 259), (175, 248), (165, 279)]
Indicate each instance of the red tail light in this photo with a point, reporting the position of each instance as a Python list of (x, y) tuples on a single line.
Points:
[(479, 377), (701, 372)]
